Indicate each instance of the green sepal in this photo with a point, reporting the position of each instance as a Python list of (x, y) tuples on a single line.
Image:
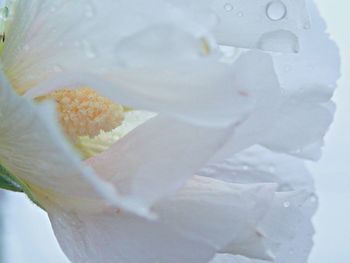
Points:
[(7, 182)]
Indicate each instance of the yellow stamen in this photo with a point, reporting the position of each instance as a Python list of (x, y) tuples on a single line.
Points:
[(85, 113)]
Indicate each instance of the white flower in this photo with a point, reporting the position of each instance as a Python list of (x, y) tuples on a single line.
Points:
[(235, 122)]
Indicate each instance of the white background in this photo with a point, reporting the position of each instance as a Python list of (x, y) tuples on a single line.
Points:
[(29, 238)]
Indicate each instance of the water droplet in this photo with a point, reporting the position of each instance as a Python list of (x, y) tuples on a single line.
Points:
[(240, 14), (313, 198), (307, 25), (245, 168), (286, 204), (228, 7), (276, 10)]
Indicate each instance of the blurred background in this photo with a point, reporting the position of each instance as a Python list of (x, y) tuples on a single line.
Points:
[(26, 235)]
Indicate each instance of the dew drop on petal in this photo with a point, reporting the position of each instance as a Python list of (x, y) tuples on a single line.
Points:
[(286, 204), (313, 198), (307, 25), (228, 7), (276, 10)]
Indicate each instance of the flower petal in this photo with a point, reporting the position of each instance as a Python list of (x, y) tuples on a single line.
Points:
[(34, 150), (158, 157), (260, 165), (202, 91), (184, 81), (98, 238), (296, 196), (225, 215)]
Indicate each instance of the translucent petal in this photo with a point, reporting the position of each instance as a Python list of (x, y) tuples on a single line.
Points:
[(158, 157), (34, 150), (223, 214), (98, 238), (295, 194)]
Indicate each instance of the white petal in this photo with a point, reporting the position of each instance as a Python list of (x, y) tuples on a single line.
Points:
[(34, 150), (37, 51), (47, 37), (304, 120), (268, 25), (225, 215), (183, 81), (157, 158), (303, 123), (310, 79), (120, 237), (260, 165), (201, 90), (311, 74)]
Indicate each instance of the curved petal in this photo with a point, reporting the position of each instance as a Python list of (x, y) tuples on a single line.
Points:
[(223, 214), (200, 90), (47, 37), (296, 195), (158, 157), (260, 165), (98, 238), (310, 79), (34, 150), (303, 112), (207, 216), (36, 51)]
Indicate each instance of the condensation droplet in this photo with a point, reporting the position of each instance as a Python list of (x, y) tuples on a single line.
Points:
[(240, 14), (286, 204), (245, 168), (228, 7), (313, 198), (276, 10), (307, 26)]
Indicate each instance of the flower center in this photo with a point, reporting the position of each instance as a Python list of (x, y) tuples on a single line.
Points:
[(82, 112)]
